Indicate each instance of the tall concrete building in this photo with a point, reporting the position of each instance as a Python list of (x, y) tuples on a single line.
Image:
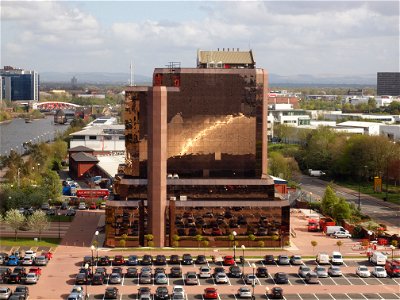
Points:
[(388, 84), (196, 157), (19, 84)]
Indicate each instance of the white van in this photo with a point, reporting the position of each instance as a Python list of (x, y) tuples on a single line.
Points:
[(337, 258), (378, 258), (322, 259)]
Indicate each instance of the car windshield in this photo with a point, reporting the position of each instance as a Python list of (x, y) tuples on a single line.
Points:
[(379, 269), (320, 269), (396, 267), (337, 256), (363, 269), (305, 269), (178, 290)]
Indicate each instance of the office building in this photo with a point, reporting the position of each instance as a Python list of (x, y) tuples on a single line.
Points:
[(19, 84), (196, 158), (388, 84)]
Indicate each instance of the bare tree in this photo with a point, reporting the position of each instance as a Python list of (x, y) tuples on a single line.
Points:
[(38, 221), (15, 220)]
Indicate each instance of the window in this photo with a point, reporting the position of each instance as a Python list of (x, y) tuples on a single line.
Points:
[(92, 137)]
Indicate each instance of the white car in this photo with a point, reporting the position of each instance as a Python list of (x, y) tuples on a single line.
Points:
[(221, 278), (178, 290), (27, 261), (341, 234), (379, 272), (30, 253), (250, 279), (82, 206), (78, 290), (363, 271), (244, 292), (31, 278), (5, 293), (303, 271), (205, 272)]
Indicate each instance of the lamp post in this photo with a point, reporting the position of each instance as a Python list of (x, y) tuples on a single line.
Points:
[(392, 248), (243, 247), (92, 248), (59, 224), (86, 294), (234, 246), (97, 246), (310, 202), (254, 278)]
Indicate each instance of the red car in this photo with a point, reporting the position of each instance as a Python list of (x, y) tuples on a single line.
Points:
[(216, 231), (36, 270), (92, 205), (228, 260), (210, 293), (118, 260), (48, 255)]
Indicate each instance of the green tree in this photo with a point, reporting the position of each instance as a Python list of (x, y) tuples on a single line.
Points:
[(149, 239), (38, 221), (199, 238), (14, 219), (314, 244), (339, 244), (341, 210), (328, 201), (51, 185)]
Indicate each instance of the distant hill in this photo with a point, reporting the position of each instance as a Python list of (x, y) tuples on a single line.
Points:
[(275, 79)]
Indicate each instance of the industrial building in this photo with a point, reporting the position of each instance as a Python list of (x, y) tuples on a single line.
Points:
[(19, 84), (388, 84), (196, 159)]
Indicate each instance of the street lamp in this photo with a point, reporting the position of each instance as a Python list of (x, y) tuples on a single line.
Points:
[(59, 224), (253, 265), (234, 246), (243, 247), (86, 268), (92, 248), (310, 202), (392, 248), (97, 246)]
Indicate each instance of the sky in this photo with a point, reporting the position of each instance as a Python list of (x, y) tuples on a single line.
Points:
[(287, 37)]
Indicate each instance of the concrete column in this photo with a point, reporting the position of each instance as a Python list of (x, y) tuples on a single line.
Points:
[(157, 163), (264, 168)]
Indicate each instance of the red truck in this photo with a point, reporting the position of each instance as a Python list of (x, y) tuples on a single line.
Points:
[(324, 222), (392, 268), (313, 225)]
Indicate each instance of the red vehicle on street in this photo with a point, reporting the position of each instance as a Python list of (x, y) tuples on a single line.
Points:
[(210, 293), (118, 260), (36, 270), (92, 205), (313, 225), (229, 261)]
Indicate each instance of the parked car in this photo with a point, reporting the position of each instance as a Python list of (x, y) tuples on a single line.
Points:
[(70, 212), (87, 260), (41, 260), (276, 293), (205, 272), (312, 278), (187, 259), (221, 278), (144, 291), (178, 290), (303, 271), (321, 272), (363, 271), (145, 279), (283, 260), (117, 270), (36, 270), (201, 259), (14, 278), (159, 270), (147, 260), (13, 261), (262, 272), (160, 278), (228, 260), (174, 259), (131, 272), (81, 279), (132, 260), (296, 260), (27, 261), (20, 270), (161, 260), (379, 272), (235, 271), (103, 261), (115, 278), (191, 278), (210, 293), (31, 278), (5, 293), (111, 293), (92, 206), (244, 292), (146, 271), (281, 278), (82, 206), (118, 260), (269, 259), (22, 290), (102, 271), (341, 235), (334, 271), (162, 293), (250, 279), (218, 270), (176, 272), (98, 279)]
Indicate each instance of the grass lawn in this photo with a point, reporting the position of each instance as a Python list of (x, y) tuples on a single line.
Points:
[(30, 242), (393, 195)]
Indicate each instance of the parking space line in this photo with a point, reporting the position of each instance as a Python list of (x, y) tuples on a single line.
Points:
[(300, 297), (123, 279), (262, 263), (234, 295), (364, 296), (349, 280), (137, 280), (219, 298), (334, 281), (379, 280)]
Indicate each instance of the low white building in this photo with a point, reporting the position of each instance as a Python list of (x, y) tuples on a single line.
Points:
[(369, 128), (392, 132), (383, 101), (102, 138), (388, 119)]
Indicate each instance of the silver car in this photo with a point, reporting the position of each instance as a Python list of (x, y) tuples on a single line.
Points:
[(334, 271), (250, 279), (41, 261), (205, 272), (161, 278), (5, 292), (296, 260), (303, 271), (145, 278), (379, 272), (191, 278), (363, 271), (145, 271), (244, 292), (321, 272), (31, 278), (115, 278), (221, 278)]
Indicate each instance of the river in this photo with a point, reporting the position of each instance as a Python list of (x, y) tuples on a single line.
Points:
[(17, 132)]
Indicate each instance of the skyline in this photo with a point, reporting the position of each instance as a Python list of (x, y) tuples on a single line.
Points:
[(287, 38)]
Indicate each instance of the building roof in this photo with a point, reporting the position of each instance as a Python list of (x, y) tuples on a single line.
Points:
[(80, 149), (83, 157), (101, 130), (110, 163), (226, 57), (204, 181), (359, 124)]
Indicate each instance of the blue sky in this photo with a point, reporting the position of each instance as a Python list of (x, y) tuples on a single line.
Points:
[(287, 38)]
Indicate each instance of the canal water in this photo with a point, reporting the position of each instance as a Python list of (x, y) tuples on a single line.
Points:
[(14, 134)]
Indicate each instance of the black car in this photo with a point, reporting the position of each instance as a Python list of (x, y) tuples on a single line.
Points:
[(17, 297), (276, 293), (159, 270), (98, 279), (14, 278), (235, 271), (64, 205), (87, 272), (162, 293), (281, 278), (20, 270), (131, 272), (176, 272), (22, 291), (103, 261), (70, 212), (201, 259), (147, 260), (269, 259), (81, 279), (143, 291), (262, 272), (174, 260), (87, 260), (161, 260), (4, 274), (132, 260), (187, 259), (111, 293)]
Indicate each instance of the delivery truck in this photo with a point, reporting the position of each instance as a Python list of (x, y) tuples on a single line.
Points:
[(316, 173), (332, 229)]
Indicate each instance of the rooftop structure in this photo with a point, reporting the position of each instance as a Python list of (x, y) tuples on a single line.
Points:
[(225, 59), (18, 84)]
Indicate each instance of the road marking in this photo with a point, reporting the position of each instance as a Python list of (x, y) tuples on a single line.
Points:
[(379, 281), (348, 280), (228, 280), (137, 280), (300, 297), (333, 280), (123, 279), (363, 296), (120, 296)]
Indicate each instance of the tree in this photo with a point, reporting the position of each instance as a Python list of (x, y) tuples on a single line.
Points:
[(260, 244), (339, 244), (341, 210), (205, 243), (149, 239), (328, 201), (199, 238), (314, 244), (39, 222), (51, 185), (15, 220), (122, 243)]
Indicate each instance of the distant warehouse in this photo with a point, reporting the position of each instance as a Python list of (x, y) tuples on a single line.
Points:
[(388, 83)]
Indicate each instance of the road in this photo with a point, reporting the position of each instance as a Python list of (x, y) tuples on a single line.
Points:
[(383, 212)]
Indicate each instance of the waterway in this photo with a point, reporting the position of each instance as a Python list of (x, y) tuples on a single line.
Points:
[(14, 134)]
